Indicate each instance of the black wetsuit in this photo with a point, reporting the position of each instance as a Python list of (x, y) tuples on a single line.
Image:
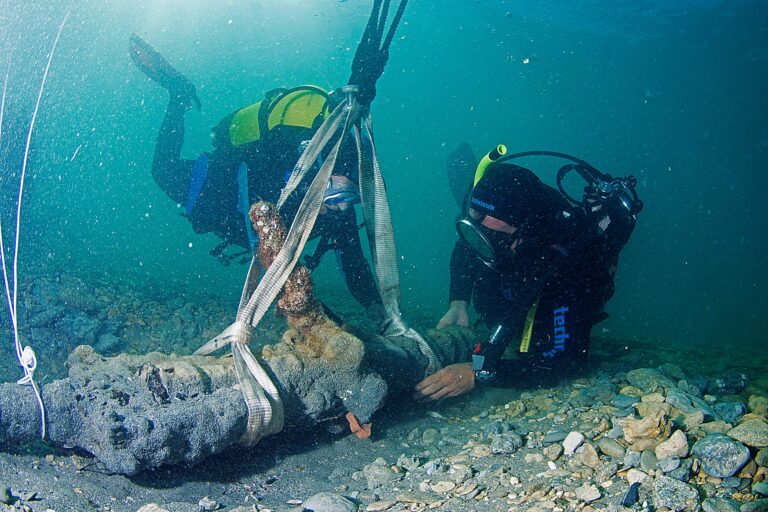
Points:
[(566, 266), (216, 208)]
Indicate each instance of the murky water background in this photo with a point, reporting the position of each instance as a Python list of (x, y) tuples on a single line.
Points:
[(673, 92)]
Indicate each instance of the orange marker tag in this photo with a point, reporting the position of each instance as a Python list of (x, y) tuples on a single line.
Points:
[(362, 432)]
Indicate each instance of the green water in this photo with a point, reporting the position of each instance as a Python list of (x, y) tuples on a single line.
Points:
[(673, 92)]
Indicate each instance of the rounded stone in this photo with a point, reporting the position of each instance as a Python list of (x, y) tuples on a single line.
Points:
[(760, 488), (720, 455), (675, 446), (752, 433), (611, 448), (588, 493), (719, 505), (329, 502), (506, 443), (755, 506), (669, 464), (675, 495), (572, 441), (762, 458), (730, 412), (5, 495)]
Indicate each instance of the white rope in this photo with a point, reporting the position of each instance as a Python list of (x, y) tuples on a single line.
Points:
[(26, 355)]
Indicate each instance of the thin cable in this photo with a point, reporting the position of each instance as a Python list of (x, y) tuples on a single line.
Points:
[(26, 356), (26, 157)]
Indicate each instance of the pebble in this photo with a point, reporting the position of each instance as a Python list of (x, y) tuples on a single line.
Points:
[(443, 486), (553, 451), (460, 473), (675, 446), (590, 458), (624, 401), (720, 455), (572, 441), (683, 473), (152, 507), (429, 436), (762, 458), (760, 488), (654, 398), (208, 505), (611, 448), (635, 475), (758, 404), (730, 412), (378, 506), (631, 496), (649, 380), (631, 459), (719, 505), (5, 495), (755, 506), (379, 474), (588, 493), (481, 450), (554, 437), (729, 384), (329, 502), (675, 495), (669, 464), (648, 461), (534, 457), (506, 443), (693, 420), (752, 433)]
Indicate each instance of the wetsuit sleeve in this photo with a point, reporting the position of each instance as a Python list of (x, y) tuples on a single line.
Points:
[(354, 266), (169, 170), (464, 272)]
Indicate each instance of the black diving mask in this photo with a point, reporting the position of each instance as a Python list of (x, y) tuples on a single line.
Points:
[(489, 244)]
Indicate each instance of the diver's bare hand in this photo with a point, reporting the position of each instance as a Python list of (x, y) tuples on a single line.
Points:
[(457, 314), (452, 381)]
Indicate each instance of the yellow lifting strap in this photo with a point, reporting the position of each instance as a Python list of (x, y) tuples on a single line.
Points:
[(300, 107), (525, 342)]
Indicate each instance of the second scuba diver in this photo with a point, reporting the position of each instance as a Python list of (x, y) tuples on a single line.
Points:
[(539, 265)]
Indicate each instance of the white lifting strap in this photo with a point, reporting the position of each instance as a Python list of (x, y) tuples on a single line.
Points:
[(266, 415), (378, 226)]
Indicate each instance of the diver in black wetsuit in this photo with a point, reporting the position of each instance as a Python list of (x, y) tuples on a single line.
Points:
[(254, 150), (540, 268)]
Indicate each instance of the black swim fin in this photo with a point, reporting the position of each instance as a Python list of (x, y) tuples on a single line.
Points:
[(154, 65), (461, 171)]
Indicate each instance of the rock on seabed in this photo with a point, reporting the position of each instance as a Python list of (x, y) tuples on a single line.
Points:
[(752, 433), (675, 495), (720, 455)]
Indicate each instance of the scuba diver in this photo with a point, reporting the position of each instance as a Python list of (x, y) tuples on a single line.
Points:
[(539, 265), (256, 148)]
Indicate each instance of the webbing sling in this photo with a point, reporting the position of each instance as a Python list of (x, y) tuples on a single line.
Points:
[(378, 227), (265, 407)]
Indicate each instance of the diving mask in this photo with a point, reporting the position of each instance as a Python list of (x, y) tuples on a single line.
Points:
[(487, 243), (341, 190)]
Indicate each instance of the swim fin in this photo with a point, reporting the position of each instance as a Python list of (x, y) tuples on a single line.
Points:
[(159, 70), (461, 169)]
